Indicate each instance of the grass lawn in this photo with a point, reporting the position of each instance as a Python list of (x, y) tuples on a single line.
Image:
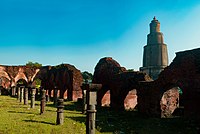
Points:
[(16, 118)]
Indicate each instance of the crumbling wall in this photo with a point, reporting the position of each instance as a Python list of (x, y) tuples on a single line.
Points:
[(183, 72), (117, 79)]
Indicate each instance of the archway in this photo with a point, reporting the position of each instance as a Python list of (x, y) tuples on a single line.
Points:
[(169, 102), (5, 85), (130, 101), (21, 82), (105, 101), (5, 82)]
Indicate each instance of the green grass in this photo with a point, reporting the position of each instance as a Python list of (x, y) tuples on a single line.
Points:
[(16, 118)]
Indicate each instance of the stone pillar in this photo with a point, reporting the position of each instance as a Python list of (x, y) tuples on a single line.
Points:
[(55, 96), (91, 98), (13, 90), (0, 89), (36, 94), (47, 96), (43, 100), (18, 93), (60, 117), (21, 94), (29, 93), (25, 96), (33, 98), (84, 89)]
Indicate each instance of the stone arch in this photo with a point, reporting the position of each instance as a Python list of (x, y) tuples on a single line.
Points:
[(130, 101), (104, 73), (68, 80), (105, 101), (21, 82), (169, 101), (101, 93), (20, 77), (48, 76), (5, 82), (62, 80), (3, 73)]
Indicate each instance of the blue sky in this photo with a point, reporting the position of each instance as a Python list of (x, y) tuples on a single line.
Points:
[(80, 32)]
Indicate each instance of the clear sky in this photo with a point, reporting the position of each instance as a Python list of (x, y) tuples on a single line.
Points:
[(80, 32)]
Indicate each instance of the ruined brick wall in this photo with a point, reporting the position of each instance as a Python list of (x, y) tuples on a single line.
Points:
[(118, 80), (183, 72), (65, 76)]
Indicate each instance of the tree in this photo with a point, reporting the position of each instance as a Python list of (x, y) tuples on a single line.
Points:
[(87, 76), (130, 70), (33, 64), (38, 83)]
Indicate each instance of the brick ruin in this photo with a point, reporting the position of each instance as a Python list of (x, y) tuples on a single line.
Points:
[(117, 80), (184, 73), (121, 89), (65, 77), (154, 98)]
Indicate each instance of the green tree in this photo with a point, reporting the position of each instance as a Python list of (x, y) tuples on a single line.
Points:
[(130, 70), (37, 83), (33, 64), (87, 76)]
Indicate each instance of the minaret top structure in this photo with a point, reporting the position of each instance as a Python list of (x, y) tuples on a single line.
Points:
[(155, 36), (154, 25)]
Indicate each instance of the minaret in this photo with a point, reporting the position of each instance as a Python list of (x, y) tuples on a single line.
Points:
[(155, 56)]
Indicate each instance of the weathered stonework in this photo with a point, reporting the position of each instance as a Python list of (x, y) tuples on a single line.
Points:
[(66, 77), (117, 79), (183, 72)]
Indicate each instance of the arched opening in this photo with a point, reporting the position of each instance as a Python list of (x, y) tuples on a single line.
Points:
[(170, 101), (5, 82), (21, 82), (104, 92), (130, 101), (5, 85), (105, 101)]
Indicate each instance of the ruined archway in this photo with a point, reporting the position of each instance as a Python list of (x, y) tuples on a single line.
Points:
[(5, 82), (21, 82), (117, 80), (169, 102), (105, 101), (130, 101), (64, 76)]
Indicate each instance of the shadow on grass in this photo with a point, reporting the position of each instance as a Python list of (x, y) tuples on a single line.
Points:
[(50, 105), (20, 112), (77, 119), (74, 106), (131, 122), (134, 123), (44, 122)]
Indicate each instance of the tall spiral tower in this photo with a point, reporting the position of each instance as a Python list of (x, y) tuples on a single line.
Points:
[(155, 55)]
